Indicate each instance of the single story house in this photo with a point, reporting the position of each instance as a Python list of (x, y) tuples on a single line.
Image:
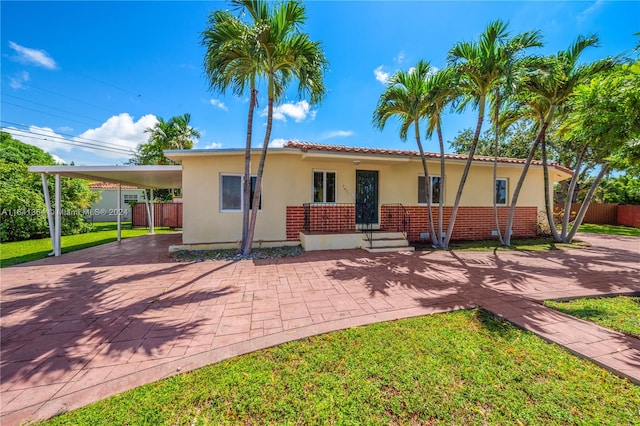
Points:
[(106, 208), (324, 196)]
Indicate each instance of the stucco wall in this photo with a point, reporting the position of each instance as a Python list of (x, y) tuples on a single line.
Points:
[(288, 182), (104, 210)]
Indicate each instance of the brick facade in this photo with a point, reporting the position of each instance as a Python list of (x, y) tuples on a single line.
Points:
[(295, 222), (472, 223)]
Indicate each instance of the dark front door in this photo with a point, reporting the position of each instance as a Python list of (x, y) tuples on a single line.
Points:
[(366, 197)]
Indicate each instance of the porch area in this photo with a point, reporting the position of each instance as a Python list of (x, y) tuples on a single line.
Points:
[(354, 225), (333, 226)]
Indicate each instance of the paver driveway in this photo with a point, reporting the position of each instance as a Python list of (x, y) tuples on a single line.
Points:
[(99, 321)]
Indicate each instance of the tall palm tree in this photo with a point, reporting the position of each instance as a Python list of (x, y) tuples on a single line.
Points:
[(442, 90), (551, 82), (232, 60), (406, 98), (480, 66), (285, 54)]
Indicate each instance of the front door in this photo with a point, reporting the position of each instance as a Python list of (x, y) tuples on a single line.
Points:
[(366, 197)]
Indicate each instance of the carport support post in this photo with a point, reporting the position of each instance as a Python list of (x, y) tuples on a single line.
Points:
[(119, 211), (57, 249), (47, 203), (152, 229)]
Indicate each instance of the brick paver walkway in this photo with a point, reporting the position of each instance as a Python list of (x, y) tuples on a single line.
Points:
[(97, 322)]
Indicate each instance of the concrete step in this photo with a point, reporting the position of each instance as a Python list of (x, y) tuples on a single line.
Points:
[(385, 242), (388, 249), (383, 234)]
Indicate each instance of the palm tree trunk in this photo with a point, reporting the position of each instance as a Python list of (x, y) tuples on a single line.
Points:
[(495, 169), (247, 167), (548, 197), (442, 186), (508, 232), (570, 191), (465, 173), (585, 204), (256, 196), (427, 180)]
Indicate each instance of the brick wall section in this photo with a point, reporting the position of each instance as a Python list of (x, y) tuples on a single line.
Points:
[(323, 218), (629, 216), (472, 223), (295, 221)]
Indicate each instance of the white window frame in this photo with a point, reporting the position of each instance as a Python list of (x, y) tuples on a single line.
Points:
[(433, 202), (324, 186), (241, 176), (506, 191), (128, 200)]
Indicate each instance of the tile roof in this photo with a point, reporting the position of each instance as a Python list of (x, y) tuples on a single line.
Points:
[(308, 146), (109, 185)]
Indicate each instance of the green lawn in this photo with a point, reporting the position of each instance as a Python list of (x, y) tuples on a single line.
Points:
[(617, 313), (610, 229), (104, 232), (521, 244), (466, 367)]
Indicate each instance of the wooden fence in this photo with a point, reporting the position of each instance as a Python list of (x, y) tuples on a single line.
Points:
[(165, 215), (605, 214)]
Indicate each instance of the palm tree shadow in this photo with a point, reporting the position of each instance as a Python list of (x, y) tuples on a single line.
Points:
[(50, 329)]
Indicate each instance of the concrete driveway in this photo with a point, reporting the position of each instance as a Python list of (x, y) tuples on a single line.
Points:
[(97, 322)]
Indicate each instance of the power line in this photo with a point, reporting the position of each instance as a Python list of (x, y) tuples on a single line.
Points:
[(52, 107), (76, 143), (69, 135), (47, 113)]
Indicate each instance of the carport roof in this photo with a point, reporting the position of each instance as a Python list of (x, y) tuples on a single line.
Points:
[(154, 177)]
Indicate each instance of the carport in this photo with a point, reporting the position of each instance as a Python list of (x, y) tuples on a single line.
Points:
[(146, 177)]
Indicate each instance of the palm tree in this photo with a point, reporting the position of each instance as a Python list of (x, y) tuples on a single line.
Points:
[(551, 81), (406, 98), (481, 65), (182, 133), (441, 91), (285, 54), (232, 60)]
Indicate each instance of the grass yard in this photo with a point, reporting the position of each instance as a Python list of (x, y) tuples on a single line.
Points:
[(610, 230), (16, 252), (522, 244), (620, 313), (465, 367)]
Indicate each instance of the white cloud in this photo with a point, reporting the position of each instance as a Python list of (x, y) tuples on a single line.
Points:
[(58, 159), (299, 111), (381, 76), (33, 56), (590, 10), (277, 143), (120, 131), (336, 134), (17, 81), (214, 145), (400, 58), (42, 137), (218, 104), (65, 129)]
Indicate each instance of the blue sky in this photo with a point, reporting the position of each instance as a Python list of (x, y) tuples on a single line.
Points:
[(97, 74)]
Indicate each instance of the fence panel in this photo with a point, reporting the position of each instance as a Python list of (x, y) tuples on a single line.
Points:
[(629, 216), (602, 214), (165, 215)]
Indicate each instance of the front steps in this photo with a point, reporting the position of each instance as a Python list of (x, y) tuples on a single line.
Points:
[(386, 242)]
